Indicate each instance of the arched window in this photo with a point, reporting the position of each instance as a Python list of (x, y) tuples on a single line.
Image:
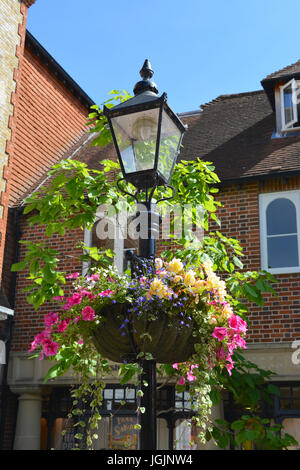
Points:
[(279, 218)]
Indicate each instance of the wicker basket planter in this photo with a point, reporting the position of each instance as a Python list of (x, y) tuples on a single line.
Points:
[(170, 342)]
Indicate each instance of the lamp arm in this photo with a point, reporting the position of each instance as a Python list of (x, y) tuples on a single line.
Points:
[(168, 198), (126, 192)]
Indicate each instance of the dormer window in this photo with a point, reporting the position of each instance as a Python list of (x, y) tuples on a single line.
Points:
[(289, 106)]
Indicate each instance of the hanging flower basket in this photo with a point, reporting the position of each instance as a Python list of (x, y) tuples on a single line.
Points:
[(166, 313), (166, 340)]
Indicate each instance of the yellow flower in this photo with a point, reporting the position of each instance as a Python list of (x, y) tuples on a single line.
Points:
[(158, 263), (156, 288), (163, 273), (227, 311), (213, 281), (175, 266), (199, 286), (167, 293), (189, 278), (177, 279)]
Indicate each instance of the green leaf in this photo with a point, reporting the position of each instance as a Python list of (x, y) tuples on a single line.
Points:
[(215, 396), (237, 262), (127, 376), (237, 425), (169, 369), (19, 266), (49, 274), (53, 372), (241, 436)]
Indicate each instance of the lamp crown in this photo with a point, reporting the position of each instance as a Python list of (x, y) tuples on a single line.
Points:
[(145, 84)]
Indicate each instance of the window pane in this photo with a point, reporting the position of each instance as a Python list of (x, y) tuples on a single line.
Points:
[(119, 394), (288, 105), (108, 393), (281, 217), (283, 252)]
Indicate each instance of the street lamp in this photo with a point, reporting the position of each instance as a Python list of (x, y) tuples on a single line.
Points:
[(147, 136)]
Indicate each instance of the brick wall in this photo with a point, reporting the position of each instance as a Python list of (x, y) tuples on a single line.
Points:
[(49, 119), (279, 319), (13, 14), (27, 321)]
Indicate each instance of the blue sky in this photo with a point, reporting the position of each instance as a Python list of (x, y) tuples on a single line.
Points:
[(198, 49)]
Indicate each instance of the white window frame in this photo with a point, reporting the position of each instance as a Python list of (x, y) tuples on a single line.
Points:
[(288, 127), (264, 200)]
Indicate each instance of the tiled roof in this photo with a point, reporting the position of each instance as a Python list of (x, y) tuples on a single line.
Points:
[(235, 133), (282, 75), (292, 69), (232, 131)]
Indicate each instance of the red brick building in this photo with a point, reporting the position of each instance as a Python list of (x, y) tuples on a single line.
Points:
[(254, 141), (49, 116)]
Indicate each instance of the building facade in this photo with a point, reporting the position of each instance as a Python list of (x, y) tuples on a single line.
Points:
[(43, 113), (253, 139)]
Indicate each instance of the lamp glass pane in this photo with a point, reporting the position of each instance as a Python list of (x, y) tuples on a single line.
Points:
[(136, 136), (169, 143)]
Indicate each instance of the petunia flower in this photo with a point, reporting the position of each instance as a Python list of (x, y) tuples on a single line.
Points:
[(219, 332), (73, 276), (88, 313)]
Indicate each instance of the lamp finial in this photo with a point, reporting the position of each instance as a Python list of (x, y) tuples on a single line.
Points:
[(145, 84)]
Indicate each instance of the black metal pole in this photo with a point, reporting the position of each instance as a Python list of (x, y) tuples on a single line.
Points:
[(148, 436)]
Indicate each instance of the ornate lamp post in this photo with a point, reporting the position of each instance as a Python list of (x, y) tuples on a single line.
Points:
[(147, 136)]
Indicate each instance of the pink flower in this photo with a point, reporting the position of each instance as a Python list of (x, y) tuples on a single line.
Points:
[(229, 367), (73, 276), (63, 325), (221, 353), (237, 323), (93, 277), (59, 298), (105, 293), (80, 341), (240, 342), (176, 366), (219, 332), (51, 319), (76, 319), (88, 313), (50, 348), (229, 364), (74, 300), (87, 293), (181, 381), (40, 338), (191, 377), (33, 346)]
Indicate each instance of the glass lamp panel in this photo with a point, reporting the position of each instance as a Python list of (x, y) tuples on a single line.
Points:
[(136, 136), (169, 143)]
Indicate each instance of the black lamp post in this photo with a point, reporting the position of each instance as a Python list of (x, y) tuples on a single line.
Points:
[(147, 136)]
